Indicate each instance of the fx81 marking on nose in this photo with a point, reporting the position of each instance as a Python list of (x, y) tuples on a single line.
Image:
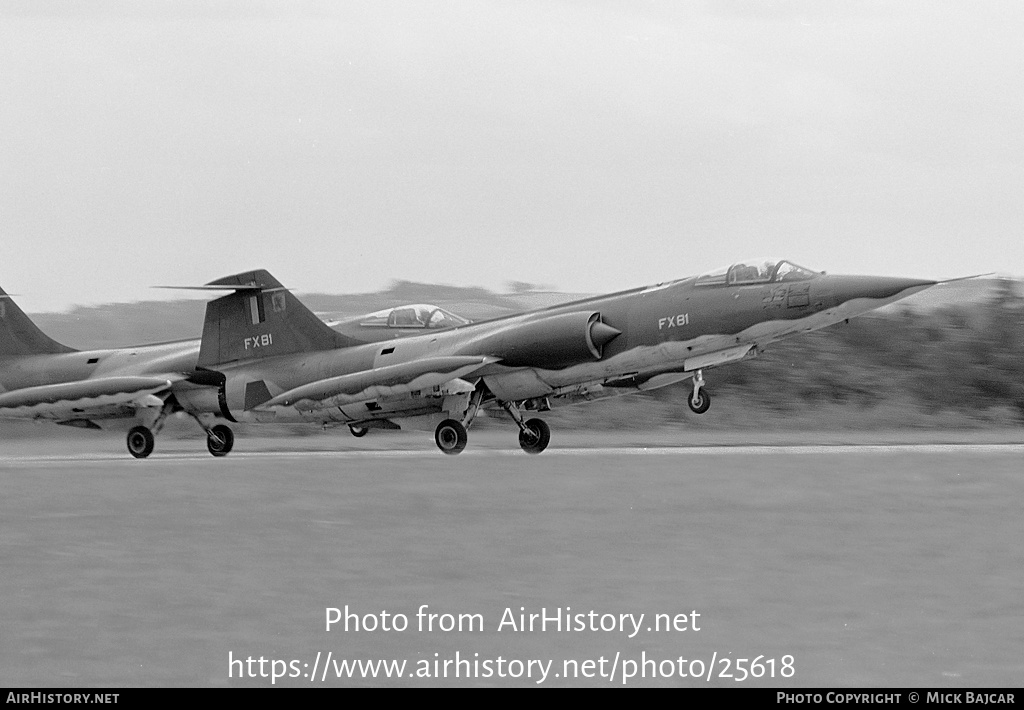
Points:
[(674, 321)]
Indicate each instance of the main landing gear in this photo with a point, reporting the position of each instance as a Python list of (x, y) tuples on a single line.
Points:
[(534, 434), (450, 436), (219, 440), (141, 439), (140, 442), (700, 400), (535, 437)]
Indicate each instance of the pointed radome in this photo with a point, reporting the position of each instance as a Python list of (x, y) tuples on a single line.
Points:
[(601, 334)]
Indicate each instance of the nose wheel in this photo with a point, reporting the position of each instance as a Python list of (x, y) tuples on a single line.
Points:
[(700, 399)]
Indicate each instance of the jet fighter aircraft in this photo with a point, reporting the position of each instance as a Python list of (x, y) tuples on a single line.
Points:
[(46, 380), (270, 359), (137, 387)]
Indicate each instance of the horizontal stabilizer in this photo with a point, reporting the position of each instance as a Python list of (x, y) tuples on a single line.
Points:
[(121, 389), (223, 287), (966, 278), (418, 374)]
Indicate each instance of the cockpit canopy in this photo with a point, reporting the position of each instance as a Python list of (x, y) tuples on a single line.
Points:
[(417, 315), (756, 271)]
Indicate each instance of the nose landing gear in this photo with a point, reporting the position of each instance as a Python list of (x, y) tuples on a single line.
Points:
[(700, 400)]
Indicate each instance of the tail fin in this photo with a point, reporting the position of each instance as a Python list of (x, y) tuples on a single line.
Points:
[(20, 336), (260, 319)]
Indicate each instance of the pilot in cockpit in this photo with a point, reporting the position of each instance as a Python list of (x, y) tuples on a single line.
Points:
[(405, 317)]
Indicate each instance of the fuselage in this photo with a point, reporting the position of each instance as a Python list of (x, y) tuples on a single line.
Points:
[(29, 370), (78, 386), (654, 335)]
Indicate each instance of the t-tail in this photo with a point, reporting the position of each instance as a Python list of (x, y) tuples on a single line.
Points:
[(20, 336), (260, 319)]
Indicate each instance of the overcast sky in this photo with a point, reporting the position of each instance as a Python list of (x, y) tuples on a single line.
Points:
[(590, 146)]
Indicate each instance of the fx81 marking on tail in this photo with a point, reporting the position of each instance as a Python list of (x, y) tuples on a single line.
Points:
[(259, 341)]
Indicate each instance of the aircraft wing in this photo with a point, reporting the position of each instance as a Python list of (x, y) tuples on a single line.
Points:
[(79, 398), (390, 380)]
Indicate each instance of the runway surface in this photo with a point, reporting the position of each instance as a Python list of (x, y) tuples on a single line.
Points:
[(786, 450), (886, 565)]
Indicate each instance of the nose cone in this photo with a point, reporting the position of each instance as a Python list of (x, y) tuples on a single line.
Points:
[(885, 289), (601, 334)]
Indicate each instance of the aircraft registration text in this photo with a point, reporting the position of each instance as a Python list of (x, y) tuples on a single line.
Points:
[(674, 321), (259, 341)]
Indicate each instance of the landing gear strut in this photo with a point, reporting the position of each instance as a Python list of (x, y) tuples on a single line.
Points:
[(534, 434), (450, 436), (535, 437), (700, 400), (219, 439)]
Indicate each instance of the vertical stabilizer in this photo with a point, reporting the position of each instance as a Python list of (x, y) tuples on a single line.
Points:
[(260, 319), (20, 336)]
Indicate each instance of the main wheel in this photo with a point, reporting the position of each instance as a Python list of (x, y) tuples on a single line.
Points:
[(140, 442), (450, 436), (358, 431), (537, 439), (702, 402), (220, 440)]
